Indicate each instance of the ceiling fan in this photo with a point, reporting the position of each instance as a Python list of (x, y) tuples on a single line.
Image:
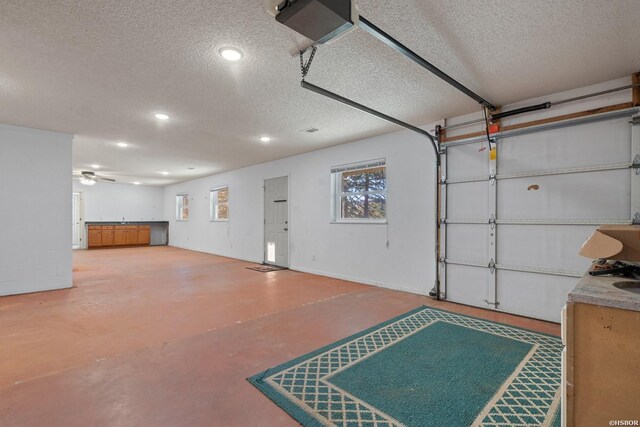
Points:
[(90, 178)]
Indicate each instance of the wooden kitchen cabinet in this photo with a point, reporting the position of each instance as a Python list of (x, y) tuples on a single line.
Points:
[(107, 235), (602, 361), (144, 234), (99, 236), (95, 236), (119, 235), (132, 234)]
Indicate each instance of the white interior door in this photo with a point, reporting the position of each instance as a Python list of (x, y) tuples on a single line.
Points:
[(512, 241), (276, 221), (76, 221)]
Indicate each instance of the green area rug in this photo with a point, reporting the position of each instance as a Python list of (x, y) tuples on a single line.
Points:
[(425, 368)]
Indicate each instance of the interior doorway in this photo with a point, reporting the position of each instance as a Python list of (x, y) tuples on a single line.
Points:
[(76, 220), (276, 221)]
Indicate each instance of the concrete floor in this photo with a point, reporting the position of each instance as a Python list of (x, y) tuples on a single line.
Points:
[(160, 336)]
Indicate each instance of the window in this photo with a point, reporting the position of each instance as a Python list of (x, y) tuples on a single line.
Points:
[(182, 207), (360, 192), (219, 199)]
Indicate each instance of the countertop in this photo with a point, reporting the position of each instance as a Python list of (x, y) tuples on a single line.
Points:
[(125, 223), (599, 290)]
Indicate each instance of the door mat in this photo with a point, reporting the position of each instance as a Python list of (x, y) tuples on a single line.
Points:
[(427, 367), (266, 268)]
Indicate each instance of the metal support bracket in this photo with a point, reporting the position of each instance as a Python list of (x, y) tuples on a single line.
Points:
[(492, 179), (636, 218), (304, 67), (492, 266), (492, 221), (636, 164), (493, 303), (635, 120)]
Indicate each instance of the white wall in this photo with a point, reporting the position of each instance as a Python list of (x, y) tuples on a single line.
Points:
[(355, 252), (35, 212), (109, 201)]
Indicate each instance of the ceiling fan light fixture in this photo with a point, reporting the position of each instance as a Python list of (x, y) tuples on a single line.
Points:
[(87, 181)]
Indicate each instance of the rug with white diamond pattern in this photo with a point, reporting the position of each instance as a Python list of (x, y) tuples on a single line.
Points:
[(425, 368)]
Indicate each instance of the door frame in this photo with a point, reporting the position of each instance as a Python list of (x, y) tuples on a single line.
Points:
[(81, 228), (264, 218)]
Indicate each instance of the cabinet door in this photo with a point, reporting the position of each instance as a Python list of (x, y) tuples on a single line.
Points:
[(144, 235), (107, 236), (132, 235), (95, 237), (120, 236)]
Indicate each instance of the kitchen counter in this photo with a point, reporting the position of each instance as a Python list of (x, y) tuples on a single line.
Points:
[(599, 290)]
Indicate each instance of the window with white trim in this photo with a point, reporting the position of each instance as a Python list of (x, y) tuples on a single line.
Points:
[(360, 192), (219, 199), (182, 207)]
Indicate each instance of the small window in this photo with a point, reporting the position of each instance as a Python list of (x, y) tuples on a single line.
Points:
[(219, 198), (360, 192), (182, 207)]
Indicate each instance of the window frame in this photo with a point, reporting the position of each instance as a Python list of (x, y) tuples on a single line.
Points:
[(180, 206), (337, 193), (213, 204)]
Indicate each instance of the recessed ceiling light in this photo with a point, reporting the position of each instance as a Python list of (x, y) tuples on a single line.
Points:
[(164, 173), (95, 166), (230, 53), (122, 144), (265, 139), (136, 183), (161, 116)]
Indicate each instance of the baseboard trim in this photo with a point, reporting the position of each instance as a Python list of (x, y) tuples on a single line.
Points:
[(361, 280)]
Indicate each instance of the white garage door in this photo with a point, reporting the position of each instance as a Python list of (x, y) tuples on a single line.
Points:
[(514, 225)]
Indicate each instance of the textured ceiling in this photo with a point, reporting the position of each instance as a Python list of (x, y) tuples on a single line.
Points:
[(100, 70)]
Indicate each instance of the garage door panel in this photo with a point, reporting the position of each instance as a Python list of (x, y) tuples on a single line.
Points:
[(533, 295), (584, 196), (543, 247), (565, 195), (470, 284), (467, 242), (576, 146), (468, 201), (465, 161)]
